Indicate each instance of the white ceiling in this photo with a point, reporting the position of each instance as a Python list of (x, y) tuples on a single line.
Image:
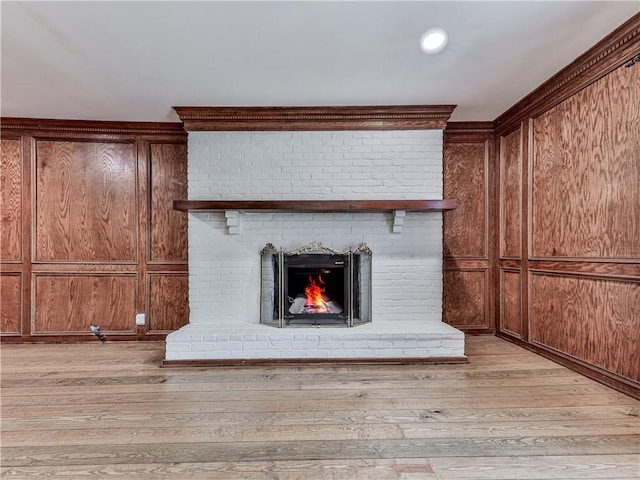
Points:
[(135, 60)]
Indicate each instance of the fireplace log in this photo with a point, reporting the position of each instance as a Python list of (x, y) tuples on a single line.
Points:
[(333, 307), (297, 306)]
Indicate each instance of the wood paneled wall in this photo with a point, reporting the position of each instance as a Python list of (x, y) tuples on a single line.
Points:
[(469, 230), (569, 215), (89, 236)]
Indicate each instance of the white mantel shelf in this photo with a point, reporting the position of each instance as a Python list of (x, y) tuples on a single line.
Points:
[(330, 206)]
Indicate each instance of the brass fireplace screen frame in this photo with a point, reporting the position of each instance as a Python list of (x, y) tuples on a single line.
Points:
[(274, 302)]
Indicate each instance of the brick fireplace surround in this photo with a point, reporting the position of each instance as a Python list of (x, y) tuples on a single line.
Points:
[(224, 247)]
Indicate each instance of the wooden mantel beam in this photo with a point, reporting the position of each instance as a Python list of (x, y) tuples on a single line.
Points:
[(314, 205)]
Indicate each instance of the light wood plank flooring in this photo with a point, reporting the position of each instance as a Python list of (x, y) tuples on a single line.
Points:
[(108, 410)]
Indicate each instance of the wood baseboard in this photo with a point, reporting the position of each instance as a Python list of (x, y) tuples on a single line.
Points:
[(81, 338), (298, 362)]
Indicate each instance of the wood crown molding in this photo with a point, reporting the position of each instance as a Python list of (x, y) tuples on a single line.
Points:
[(397, 117), (468, 132), (86, 126), (610, 53)]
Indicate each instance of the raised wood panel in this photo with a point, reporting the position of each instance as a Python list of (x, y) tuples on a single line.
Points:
[(464, 298), (11, 200), (168, 302), (85, 201), (595, 321), (10, 304), (465, 179), (511, 194), (168, 183), (511, 297), (72, 303), (586, 193)]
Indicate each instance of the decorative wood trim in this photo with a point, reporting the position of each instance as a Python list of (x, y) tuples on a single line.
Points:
[(496, 236), (85, 126), (480, 330), (314, 205), (84, 267), (613, 276), (174, 267), (465, 263), (28, 228), (41, 265), (143, 185), (392, 117), (511, 263), (489, 181), (610, 270), (526, 223), (468, 132), (286, 362), (10, 267), (607, 55), (612, 260)]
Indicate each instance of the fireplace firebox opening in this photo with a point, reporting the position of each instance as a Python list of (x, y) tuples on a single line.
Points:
[(316, 286)]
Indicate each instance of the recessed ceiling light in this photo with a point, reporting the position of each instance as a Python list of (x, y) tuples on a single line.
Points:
[(433, 40)]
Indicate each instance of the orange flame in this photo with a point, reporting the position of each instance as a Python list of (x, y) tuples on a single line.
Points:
[(315, 295)]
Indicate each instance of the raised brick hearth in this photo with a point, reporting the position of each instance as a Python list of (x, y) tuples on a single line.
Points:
[(400, 339)]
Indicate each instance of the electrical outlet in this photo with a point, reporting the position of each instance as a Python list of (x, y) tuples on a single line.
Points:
[(140, 319)]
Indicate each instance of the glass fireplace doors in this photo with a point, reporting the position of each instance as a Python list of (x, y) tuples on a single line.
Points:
[(316, 286)]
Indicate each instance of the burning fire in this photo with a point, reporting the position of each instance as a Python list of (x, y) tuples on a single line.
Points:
[(316, 299)]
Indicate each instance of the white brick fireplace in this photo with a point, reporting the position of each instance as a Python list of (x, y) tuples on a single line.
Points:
[(224, 248)]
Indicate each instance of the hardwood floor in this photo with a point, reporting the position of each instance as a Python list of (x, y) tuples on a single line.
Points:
[(108, 410)]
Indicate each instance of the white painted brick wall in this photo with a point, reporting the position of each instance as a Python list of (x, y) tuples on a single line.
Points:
[(315, 165), (225, 269)]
